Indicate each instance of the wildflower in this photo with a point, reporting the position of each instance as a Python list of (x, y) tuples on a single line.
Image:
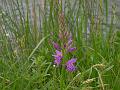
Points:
[(56, 46), (69, 44), (58, 56), (53, 65), (66, 45), (70, 65), (71, 49)]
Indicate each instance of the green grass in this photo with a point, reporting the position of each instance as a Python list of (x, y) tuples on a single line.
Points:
[(26, 61)]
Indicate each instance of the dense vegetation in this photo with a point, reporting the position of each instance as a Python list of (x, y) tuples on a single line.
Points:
[(30, 35)]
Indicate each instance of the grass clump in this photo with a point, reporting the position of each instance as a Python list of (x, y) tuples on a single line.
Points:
[(28, 29)]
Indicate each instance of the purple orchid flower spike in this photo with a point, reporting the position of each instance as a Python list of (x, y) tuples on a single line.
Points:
[(56, 46), (70, 65), (58, 56), (69, 44)]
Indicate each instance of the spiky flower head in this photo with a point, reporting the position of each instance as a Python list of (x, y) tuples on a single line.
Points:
[(65, 45)]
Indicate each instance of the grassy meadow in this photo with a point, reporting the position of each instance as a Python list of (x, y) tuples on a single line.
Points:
[(31, 33)]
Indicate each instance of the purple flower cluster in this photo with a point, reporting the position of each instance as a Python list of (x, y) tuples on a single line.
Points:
[(56, 46), (58, 56), (70, 64), (68, 48), (69, 45)]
